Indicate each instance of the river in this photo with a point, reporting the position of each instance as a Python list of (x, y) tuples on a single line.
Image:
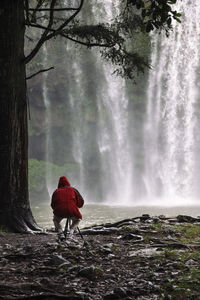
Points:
[(98, 214)]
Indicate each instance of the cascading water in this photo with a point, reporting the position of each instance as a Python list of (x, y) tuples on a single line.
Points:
[(86, 119), (119, 143), (102, 127), (171, 131), (113, 139), (48, 119)]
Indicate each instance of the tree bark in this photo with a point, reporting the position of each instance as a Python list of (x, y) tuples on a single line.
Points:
[(15, 212)]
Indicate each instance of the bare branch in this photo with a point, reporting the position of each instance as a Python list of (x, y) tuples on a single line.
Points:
[(44, 35), (39, 4), (29, 38), (74, 40), (40, 26), (66, 22), (41, 71), (87, 44), (55, 9)]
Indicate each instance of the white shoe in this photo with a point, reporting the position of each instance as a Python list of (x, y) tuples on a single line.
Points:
[(71, 231), (61, 235)]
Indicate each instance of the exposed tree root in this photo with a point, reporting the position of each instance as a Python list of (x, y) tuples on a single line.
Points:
[(19, 220), (24, 222)]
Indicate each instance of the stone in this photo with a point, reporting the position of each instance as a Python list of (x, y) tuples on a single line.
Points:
[(4, 261), (144, 217), (111, 256), (51, 245), (65, 265), (56, 260), (187, 219), (147, 252), (90, 272), (190, 262), (106, 250), (120, 291), (155, 220), (74, 269), (7, 247), (27, 248), (109, 245), (131, 236)]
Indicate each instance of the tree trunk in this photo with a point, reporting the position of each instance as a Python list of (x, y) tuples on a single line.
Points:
[(15, 212)]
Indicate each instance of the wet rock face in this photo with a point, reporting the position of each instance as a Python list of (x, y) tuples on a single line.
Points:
[(137, 258)]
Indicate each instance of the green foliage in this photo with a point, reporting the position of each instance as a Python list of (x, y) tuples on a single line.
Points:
[(31, 130), (98, 34), (129, 63), (190, 232), (170, 254), (182, 256), (136, 16), (39, 171), (185, 286), (115, 42), (156, 14), (158, 227)]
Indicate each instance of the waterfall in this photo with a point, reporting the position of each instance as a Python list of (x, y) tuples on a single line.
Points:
[(105, 170), (113, 139), (120, 143), (171, 130), (48, 120), (78, 136)]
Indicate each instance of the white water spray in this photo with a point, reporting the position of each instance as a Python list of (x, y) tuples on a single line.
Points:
[(113, 130), (171, 130)]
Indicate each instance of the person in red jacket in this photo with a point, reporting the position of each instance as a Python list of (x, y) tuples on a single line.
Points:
[(65, 203)]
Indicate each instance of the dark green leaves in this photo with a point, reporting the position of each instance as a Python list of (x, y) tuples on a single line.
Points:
[(102, 34), (156, 13), (128, 63)]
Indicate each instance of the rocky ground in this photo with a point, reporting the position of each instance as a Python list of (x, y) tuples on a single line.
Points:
[(142, 258)]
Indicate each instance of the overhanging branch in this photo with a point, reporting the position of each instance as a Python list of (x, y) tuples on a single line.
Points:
[(39, 4), (61, 27), (55, 9), (46, 36), (88, 44), (41, 71)]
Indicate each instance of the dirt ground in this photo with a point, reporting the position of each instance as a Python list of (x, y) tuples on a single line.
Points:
[(141, 258)]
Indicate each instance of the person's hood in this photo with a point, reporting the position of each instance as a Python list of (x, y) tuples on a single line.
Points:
[(63, 181)]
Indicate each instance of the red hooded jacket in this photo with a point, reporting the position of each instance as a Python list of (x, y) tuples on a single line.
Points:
[(66, 200)]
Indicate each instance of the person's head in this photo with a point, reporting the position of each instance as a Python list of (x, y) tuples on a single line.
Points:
[(63, 181)]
